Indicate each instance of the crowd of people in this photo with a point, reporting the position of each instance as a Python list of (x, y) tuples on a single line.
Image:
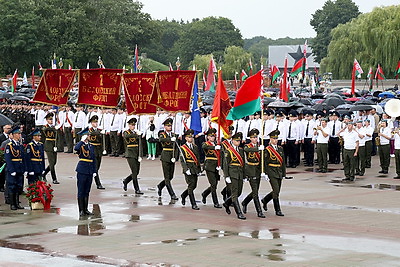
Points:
[(260, 146)]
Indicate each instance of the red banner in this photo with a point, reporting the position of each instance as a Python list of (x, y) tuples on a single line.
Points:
[(138, 88), (54, 87), (99, 87), (173, 90)]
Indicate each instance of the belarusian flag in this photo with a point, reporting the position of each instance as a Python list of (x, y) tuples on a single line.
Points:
[(250, 68), (379, 73), (357, 68), (248, 98), (284, 86), (298, 67), (210, 76), (357, 71), (370, 77), (14, 81), (221, 106), (275, 73), (243, 75), (397, 72)]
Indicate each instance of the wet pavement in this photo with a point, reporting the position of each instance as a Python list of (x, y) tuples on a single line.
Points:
[(326, 223)]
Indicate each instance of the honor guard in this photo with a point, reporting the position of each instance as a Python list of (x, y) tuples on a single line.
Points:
[(96, 140), (211, 151), (132, 155), (50, 135), (275, 168), (190, 160), (226, 143), (253, 171), (34, 159), (234, 174), (168, 157), (85, 171), (14, 157)]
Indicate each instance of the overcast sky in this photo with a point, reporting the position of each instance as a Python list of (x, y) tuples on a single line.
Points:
[(272, 19)]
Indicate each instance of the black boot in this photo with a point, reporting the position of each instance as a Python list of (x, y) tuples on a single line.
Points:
[(245, 202), (81, 203), (238, 210), (125, 182), (277, 208), (13, 206), (98, 183), (193, 202), (215, 200), (227, 204), (136, 187), (17, 202), (260, 214), (205, 194), (46, 171), (224, 195), (85, 207), (171, 192), (160, 187), (265, 201), (54, 177), (183, 197)]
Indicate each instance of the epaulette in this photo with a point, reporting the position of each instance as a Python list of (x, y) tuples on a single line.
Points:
[(31, 143)]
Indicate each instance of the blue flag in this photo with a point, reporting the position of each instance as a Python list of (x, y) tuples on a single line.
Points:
[(195, 121)]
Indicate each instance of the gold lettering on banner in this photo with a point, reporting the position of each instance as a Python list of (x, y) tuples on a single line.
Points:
[(102, 98), (101, 79)]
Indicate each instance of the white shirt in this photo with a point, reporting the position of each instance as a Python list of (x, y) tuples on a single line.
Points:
[(368, 130), (396, 141), (68, 119), (310, 125), (250, 124), (268, 127), (321, 139), (293, 131), (361, 131), (80, 119), (338, 127), (350, 139), (386, 131), (39, 117)]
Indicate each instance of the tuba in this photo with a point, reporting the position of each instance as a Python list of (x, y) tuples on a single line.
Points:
[(377, 141), (392, 108)]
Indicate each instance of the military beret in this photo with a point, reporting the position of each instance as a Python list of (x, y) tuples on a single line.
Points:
[(36, 131)]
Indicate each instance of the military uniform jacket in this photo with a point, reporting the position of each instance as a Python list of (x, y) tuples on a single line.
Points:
[(167, 145), (190, 159), (50, 134), (14, 157), (253, 160), (96, 140), (274, 163), (132, 144), (234, 162), (211, 162), (34, 157), (225, 145), (86, 164)]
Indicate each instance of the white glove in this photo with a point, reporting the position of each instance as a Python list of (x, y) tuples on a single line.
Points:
[(264, 176), (25, 173), (173, 139), (173, 160), (55, 149), (217, 147), (228, 180), (94, 175), (43, 172), (83, 138), (139, 159), (138, 132), (31, 173), (261, 147), (103, 132), (57, 127), (188, 172), (13, 173), (218, 168)]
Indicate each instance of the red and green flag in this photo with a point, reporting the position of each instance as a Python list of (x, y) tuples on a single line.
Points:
[(357, 71), (370, 77), (250, 68), (14, 81), (284, 86), (243, 76), (379, 75), (248, 98), (275, 73), (397, 72), (298, 67), (210, 85)]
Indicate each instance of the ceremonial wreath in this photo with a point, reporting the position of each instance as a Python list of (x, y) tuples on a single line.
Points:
[(39, 194)]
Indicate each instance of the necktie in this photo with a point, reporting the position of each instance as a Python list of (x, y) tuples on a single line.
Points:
[(333, 129), (77, 115), (308, 124), (264, 128), (112, 122), (236, 127), (248, 130), (37, 114), (277, 126), (290, 130)]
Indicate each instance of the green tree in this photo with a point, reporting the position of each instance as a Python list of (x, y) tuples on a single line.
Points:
[(379, 44), (235, 59), (324, 20), (201, 62)]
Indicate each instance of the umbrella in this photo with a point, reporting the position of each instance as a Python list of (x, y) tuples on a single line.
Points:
[(20, 98), (333, 101), (317, 96), (305, 94), (5, 95), (4, 120), (361, 107), (306, 101), (268, 100), (353, 99), (320, 106), (278, 104), (378, 108), (306, 109), (386, 95), (365, 102), (296, 104), (344, 106), (332, 95)]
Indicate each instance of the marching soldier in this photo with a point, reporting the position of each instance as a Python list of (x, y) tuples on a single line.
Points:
[(275, 167), (234, 174), (50, 135), (132, 155), (190, 160), (211, 167), (85, 171), (96, 140), (168, 154), (253, 171), (226, 191), (14, 155), (34, 157)]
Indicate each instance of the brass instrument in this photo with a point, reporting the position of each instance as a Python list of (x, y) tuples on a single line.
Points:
[(341, 140), (392, 108), (395, 131), (377, 141)]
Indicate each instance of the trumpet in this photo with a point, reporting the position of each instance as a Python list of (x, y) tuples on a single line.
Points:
[(395, 131), (377, 141), (341, 141)]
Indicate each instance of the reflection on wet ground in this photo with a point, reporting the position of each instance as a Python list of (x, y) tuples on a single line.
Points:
[(341, 183)]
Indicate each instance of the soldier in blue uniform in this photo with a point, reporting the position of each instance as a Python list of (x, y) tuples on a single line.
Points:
[(34, 157), (85, 171), (14, 155)]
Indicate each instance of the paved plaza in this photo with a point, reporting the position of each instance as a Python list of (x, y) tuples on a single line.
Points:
[(326, 223)]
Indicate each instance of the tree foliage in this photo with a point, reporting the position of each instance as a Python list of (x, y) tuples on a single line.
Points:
[(324, 20), (235, 59), (372, 38)]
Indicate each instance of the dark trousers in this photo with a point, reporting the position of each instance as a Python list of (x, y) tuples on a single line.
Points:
[(374, 146), (361, 160), (60, 140), (368, 153), (384, 156), (349, 162), (199, 142), (334, 150), (168, 171), (77, 136), (15, 183), (191, 181), (397, 158), (134, 165), (213, 178), (308, 151), (2, 177), (236, 188), (292, 151), (276, 184), (322, 156), (68, 138), (114, 138), (52, 159), (83, 182)]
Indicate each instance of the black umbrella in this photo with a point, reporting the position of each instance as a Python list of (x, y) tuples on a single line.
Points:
[(317, 96), (333, 101), (5, 95), (344, 106), (361, 107), (278, 104), (365, 102), (20, 98), (332, 95), (306, 101), (4, 120), (320, 106)]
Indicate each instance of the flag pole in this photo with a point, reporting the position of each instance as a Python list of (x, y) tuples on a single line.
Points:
[(262, 122)]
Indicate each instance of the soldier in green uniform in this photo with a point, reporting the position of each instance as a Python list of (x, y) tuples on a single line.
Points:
[(50, 147), (225, 144), (234, 174), (253, 171), (168, 157), (132, 140), (211, 167), (275, 167), (190, 160), (96, 140)]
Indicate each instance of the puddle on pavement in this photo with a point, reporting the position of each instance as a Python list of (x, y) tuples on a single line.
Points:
[(382, 186), (16, 245)]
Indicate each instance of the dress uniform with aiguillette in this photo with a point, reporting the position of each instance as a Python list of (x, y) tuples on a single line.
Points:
[(50, 146), (96, 140), (132, 141), (85, 170), (225, 144), (34, 157), (190, 160)]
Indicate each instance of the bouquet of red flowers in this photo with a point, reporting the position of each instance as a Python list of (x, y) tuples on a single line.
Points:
[(40, 191)]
